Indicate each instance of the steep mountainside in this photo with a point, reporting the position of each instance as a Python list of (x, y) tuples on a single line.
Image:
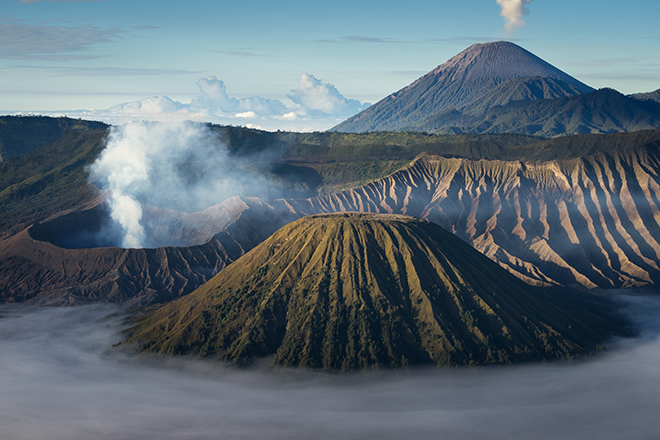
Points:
[(523, 89), (461, 82), (602, 111), (592, 221), (356, 291)]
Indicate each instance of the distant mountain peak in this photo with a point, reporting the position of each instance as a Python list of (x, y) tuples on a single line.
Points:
[(502, 60), (462, 80)]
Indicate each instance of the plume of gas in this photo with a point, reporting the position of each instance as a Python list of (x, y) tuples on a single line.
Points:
[(513, 12), (181, 166)]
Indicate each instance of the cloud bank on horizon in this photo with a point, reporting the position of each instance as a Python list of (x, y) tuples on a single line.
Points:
[(513, 12), (315, 105)]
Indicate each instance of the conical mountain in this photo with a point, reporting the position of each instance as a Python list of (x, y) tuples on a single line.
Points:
[(460, 82), (350, 291)]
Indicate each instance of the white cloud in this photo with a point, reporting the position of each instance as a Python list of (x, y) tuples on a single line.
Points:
[(213, 95), (156, 105), (316, 96), (262, 106), (513, 12), (246, 115), (317, 106)]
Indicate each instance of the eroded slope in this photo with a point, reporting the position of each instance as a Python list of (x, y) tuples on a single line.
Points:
[(590, 221)]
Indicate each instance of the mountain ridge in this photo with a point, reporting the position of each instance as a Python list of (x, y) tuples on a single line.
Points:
[(602, 111), (457, 184), (647, 96), (39, 266)]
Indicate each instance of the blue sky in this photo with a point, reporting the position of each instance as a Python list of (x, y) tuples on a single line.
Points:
[(70, 56)]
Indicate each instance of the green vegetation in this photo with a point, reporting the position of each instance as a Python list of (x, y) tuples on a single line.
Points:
[(22, 134), (353, 291), (48, 180), (338, 176), (397, 145)]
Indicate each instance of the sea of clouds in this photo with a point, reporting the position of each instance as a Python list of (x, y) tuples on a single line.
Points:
[(61, 380)]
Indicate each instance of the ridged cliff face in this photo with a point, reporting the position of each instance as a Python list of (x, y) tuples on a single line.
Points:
[(591, 221)]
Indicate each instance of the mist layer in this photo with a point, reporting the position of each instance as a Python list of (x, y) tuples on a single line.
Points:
[(58, 382)]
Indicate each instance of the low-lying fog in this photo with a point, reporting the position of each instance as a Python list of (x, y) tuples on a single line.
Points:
[(58, 382)]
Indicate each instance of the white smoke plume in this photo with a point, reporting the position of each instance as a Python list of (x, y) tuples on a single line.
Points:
[(513, 12), (127, 213), (182, 166)]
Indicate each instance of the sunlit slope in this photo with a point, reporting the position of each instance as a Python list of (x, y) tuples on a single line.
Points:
[(648, 96), (592, 221), (347, 291)]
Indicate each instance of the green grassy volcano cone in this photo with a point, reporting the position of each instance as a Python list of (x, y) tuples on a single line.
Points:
[(350, 291)]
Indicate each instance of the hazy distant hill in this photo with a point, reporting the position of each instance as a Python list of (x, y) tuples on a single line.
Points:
[(462, 82), (649, 96), (22, 134), (352, 291), (602, 111)]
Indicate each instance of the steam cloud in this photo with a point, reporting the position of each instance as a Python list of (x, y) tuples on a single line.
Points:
[(513, 12), (181, 166), (59, 383)]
